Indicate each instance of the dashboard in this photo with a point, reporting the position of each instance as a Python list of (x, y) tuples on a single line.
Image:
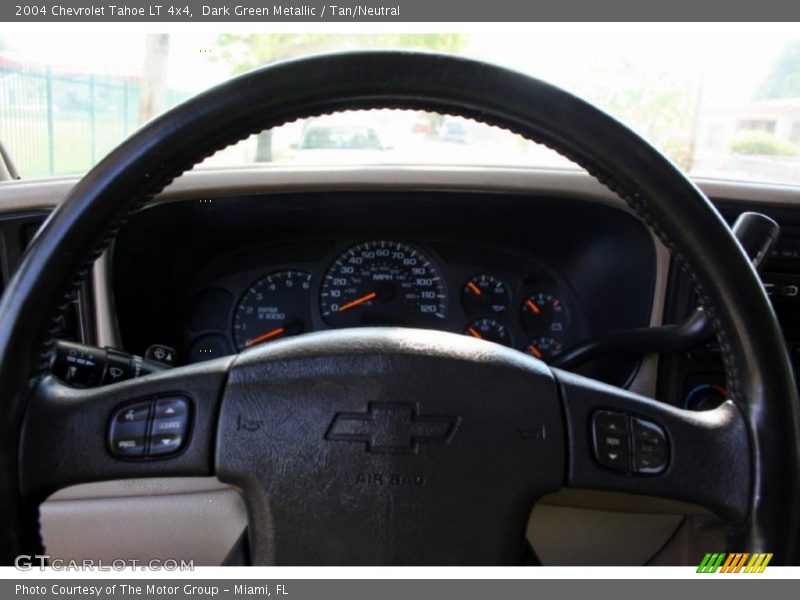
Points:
[(536, 274), (216, 233)]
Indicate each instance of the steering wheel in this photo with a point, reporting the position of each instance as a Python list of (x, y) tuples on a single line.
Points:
[(400, 446)]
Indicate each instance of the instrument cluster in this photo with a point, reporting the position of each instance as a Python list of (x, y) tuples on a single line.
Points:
[(519, 303)]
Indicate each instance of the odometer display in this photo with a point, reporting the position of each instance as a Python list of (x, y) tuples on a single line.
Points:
[(382, 282)]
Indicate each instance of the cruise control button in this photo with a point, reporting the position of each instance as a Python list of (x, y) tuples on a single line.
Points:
[(648, 464), (648, 431), (657, 450), (650, 450)]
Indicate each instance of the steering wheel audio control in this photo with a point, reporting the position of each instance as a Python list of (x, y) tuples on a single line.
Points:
[(128, 430), (150, 428), (629, 444), (612, 447)]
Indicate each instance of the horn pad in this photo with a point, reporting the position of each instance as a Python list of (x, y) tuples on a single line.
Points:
[(389, 446)]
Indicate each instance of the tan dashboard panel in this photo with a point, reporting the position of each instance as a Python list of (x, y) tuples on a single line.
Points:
[(199, 519), (143, 520), (573, 537)]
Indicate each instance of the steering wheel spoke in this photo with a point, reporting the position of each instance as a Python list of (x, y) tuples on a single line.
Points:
[(620, 441), (156, 426)]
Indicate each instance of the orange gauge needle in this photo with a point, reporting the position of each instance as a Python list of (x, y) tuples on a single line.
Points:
[(264, 336), (475, 289), (534, 309), (474, 333), (535, 351), (358, 301)]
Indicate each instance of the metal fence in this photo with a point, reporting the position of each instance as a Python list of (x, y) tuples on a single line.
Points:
[(56, 123)]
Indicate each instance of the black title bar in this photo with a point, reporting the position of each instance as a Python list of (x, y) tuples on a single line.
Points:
[(444, 11)]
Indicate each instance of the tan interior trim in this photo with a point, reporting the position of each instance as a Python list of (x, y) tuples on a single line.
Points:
[(154, 486), (22, 195), (144, 527), (105, 320)]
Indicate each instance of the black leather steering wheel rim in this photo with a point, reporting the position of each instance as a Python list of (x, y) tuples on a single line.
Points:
[(759, 374)]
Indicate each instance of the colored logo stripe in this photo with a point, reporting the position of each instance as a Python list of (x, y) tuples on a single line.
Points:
[(711, 562), (734, 562), (758, 563)]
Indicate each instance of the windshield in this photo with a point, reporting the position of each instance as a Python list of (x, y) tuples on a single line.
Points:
[(720, 102)]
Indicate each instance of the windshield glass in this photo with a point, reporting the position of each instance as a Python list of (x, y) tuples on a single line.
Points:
[(720, 102)]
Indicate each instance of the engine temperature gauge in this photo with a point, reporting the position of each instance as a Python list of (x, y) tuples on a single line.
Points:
[(489, 330)]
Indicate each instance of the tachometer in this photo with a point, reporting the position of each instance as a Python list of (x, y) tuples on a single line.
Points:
[(383, 282), (277, 306)]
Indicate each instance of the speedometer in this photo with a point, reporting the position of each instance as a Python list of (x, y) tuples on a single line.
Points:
[(383, 282)]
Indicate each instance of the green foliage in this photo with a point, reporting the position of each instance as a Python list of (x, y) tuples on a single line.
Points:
[(658, 104), (246, 52), (784, 80), (762, 143)]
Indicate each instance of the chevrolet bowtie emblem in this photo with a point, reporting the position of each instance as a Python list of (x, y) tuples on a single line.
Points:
[(391, 427)]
